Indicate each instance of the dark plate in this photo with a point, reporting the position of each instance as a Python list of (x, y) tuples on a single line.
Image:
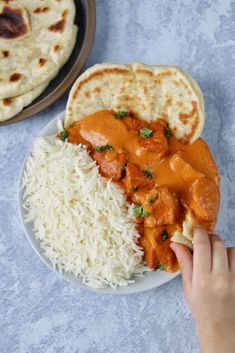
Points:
[(85, 20)]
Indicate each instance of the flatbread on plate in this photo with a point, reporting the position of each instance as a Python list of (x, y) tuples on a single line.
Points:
[(150, 92)]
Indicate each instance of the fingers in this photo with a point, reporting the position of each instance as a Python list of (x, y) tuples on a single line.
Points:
[(201, 253), (219, 255), (185, 260), (231, 259)]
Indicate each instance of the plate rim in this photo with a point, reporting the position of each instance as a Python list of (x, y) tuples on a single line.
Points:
[(61, 88), (164, 276)]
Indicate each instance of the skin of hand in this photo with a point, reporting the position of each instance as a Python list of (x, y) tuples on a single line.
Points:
[(209, 286)]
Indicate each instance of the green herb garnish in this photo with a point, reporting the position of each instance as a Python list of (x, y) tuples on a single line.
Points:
[(164, 235), (148, 174), (139, 211), (101, 149), (167, 132), (145, 132), (134, 188), (121, 114), (152, 200), (63, 135), (160, 267)]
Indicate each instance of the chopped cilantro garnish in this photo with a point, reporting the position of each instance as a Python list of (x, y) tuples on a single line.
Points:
[(63, 135), (121, 114), (139, 211), (160, 267), (101, 149), (145, 132), (148, 174), (164, 235)]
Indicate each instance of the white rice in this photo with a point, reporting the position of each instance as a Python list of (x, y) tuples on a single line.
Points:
[(81, 220)]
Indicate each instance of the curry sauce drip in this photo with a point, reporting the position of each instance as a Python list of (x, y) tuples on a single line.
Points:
[(161, 176)]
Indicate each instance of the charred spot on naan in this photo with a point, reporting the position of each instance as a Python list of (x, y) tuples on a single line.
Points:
[(7, 101), (5, 53), (59, 26), (185, 86), (57, 47), (145, 72), (97, 90), (167, 73), (41, 10), (192, 118), (64, 13), (12, 23), (41, 62), (184, 117), (15, 77)]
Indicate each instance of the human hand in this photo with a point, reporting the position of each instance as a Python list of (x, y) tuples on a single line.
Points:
[(209, 286)]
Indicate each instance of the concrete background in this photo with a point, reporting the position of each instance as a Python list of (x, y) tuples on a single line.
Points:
[(38, 311)]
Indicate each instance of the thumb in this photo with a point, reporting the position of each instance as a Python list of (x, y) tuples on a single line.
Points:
[(185, 260)]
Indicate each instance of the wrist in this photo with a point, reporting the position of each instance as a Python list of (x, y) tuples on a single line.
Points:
[(216, 336)]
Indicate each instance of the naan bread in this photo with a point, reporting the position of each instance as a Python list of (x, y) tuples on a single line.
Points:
[(36, 39), (151, 92), (9, 107), (185, 235)]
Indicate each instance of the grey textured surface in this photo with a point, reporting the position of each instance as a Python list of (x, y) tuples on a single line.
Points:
[(41, 313)]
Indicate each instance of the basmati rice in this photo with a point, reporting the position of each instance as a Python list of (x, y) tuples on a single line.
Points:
[(83, 221)]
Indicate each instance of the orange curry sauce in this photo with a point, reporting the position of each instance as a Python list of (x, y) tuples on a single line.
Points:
[(161, 176)]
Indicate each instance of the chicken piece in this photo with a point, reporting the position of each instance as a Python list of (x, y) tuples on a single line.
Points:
[(162, 206), (166, 208), (146, 197), (139, 220), (122, 159), (75, 137), (148, 243), (136, 179), (158, 125), (185, 170), (150, 221), (204, 199), (155, 243), (158, 142), (111, 169), (132, 123)]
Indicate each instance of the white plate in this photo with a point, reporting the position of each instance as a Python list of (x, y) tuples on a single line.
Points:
[(149, 281)]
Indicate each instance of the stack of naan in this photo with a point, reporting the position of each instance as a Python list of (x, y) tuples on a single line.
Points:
[(36, 39)]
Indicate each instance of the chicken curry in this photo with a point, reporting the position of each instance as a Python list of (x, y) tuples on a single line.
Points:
[(162, 177)]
